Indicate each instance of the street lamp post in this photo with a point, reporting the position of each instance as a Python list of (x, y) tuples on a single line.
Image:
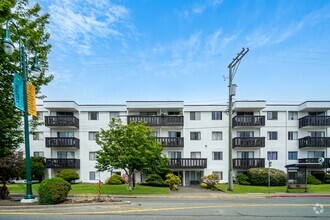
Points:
[(9, 49)]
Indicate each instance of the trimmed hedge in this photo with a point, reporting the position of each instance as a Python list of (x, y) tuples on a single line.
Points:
[(259, 177), (313, 180), (68, 175), (53, 191), (243, 179), (327, 178), (116, 179), (154, 180)]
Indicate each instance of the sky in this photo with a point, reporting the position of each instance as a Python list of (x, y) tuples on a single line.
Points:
[(110, 52)]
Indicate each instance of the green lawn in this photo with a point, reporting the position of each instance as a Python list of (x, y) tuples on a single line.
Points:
[(323, 188), (83, 188)]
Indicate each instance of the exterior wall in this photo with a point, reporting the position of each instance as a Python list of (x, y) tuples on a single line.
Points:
[(205, 125)]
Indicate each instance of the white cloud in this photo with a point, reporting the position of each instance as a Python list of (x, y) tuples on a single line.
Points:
[(79, 23)]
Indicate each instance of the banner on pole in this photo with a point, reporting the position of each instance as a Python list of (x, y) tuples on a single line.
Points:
[(31, 99), (18, 91)]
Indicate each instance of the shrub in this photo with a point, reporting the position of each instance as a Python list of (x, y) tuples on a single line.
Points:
[(172, 181), (327, 178), (116, 179), (53, 191), (243, 179), (68, 175), (319, 175), (211, 180), (312, 180), (259, 177), (154, 180), (204, 185)]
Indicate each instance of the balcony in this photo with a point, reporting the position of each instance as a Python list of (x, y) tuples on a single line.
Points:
[(157, 120), (248, 142), (62, 163), (62, 142), (314, 142), (62, 121), (181, 163), (171, 141), (247, 163), (326, 163), (312, 120), (248, 121)]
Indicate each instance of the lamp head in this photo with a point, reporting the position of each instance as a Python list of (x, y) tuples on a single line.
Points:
[(8, 45), (36, 69)]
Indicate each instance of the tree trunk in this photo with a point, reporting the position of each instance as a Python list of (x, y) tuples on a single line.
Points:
[(130, 183)]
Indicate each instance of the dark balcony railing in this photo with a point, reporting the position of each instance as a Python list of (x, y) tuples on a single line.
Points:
[(62, 163), (63, 120), (325, 164), (248, 121), (62, 142), (247, 163), (312, 120), (157, 120), (171, 141), (187, 163), (248, 142), (314, 142)]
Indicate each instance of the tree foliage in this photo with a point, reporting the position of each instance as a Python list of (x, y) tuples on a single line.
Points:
[(31, 26), (130, 147), (10, 166)]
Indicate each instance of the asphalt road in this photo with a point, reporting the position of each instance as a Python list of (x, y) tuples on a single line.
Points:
[(183, 208)]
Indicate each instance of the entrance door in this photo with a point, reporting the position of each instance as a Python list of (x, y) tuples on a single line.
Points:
[(193, 177)]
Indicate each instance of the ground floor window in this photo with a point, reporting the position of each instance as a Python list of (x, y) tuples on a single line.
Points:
[(193, 177), (219, 174), (94, 175)]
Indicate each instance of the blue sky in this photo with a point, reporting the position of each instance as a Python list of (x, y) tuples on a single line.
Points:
[(108, 52)]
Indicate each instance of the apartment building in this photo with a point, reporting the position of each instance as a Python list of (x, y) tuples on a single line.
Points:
[(194, 137)]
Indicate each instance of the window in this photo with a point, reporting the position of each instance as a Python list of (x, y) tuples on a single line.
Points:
[(38, 154), (293, 155), (174, 154), (40, 116), (92, 155), (174, 134), (148, 113), (293, 135), (65, 154), (216, 155), (114, 115), (92, 135), (195, 115), (219, 174), (38, 136), (216, 115), (245, 154), (292, 115), (64, 113), (94, 175), (245, 134), (65, 134), (271, 115), (155, 133), (195, 135), (93, 116), (316, 113), (272, 155), (315, 154), (196, 154), (216, 135), (316, 133), (272, 135)]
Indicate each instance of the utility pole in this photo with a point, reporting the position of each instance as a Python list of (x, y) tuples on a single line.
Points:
[(232, 92)]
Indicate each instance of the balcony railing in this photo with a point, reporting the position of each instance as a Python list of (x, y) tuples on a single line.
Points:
[(178, 163), (325, 164), (314, 142), (248, 142), (63, 120), (171, 141), (62, 163), (248, 121), (312, 120), (62, 142), (157, 120), (247, 163)]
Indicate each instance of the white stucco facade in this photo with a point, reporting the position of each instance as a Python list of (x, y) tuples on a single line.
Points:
[(195, 137)]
